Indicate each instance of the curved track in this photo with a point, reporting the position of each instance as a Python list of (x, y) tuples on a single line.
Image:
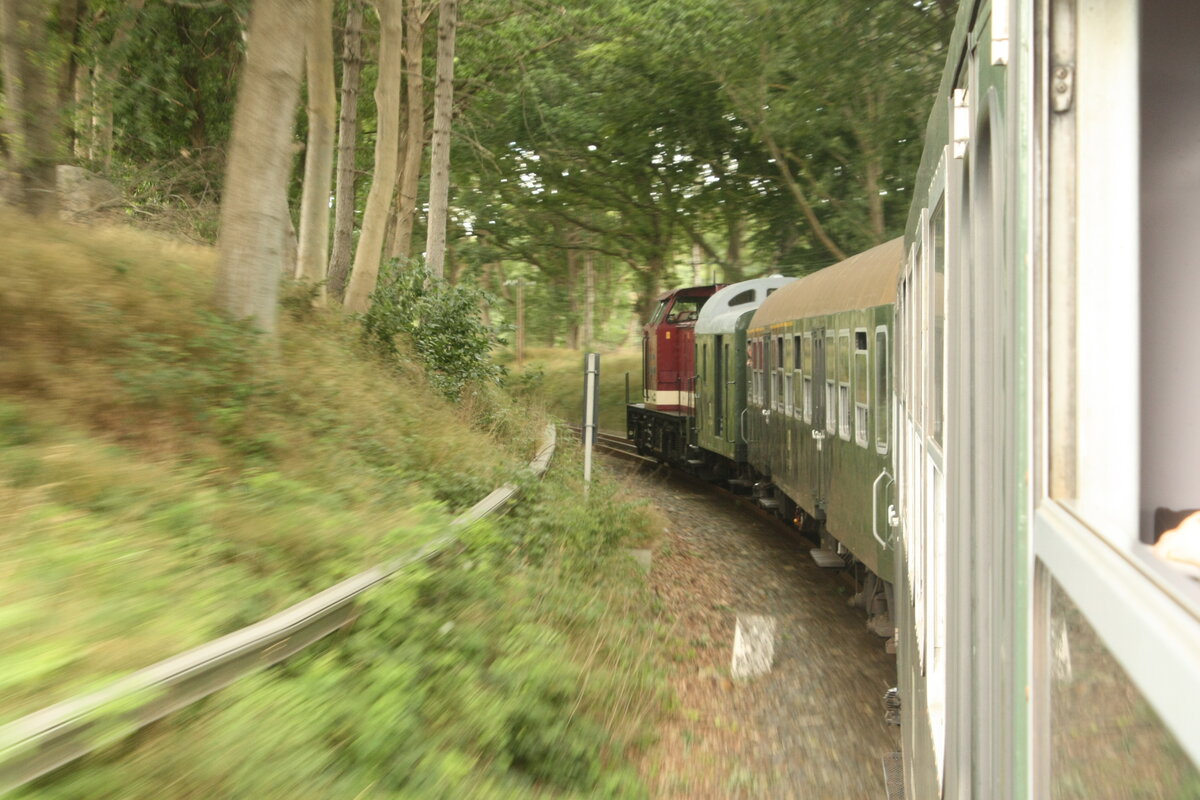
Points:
[(813, 724)]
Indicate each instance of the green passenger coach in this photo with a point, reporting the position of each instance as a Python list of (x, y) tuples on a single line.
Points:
[(721, 368), (819, 399)]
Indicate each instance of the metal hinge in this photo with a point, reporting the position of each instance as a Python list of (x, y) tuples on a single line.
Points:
[(1062, 87)]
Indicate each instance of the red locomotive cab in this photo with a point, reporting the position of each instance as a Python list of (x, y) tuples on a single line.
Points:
[(668, 349)]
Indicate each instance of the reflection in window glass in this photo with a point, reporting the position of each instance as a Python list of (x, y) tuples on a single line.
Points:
[(937, 305), (844, 407), (830, 383), (1106, 741), (881, 389), (862, 388), (807, 367)]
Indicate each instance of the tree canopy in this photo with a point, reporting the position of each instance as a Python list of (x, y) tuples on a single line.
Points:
[(642, 143)]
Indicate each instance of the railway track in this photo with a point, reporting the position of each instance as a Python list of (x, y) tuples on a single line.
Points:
[(614, 445)]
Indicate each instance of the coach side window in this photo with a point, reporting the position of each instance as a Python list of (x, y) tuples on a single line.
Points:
[(752, 349), (862, 389), (789, 389), (881, 389), (807, 368), (777, 400), (795, 402), (830, 383), (843, 368)]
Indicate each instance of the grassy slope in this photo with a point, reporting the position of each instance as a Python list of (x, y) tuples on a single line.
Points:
[(525, 666), (165, 478), (561, 384)]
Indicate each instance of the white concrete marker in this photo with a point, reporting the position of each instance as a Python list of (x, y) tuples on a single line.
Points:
[(753, 646)]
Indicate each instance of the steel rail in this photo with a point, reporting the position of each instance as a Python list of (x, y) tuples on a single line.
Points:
[(613, 445), (45, 740)]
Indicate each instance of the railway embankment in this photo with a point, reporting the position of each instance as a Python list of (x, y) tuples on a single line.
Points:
[(166, 478)]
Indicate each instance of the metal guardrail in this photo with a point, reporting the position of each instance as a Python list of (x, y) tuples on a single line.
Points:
[(45, 740)]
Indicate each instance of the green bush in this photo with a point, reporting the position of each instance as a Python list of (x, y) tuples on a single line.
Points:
[(442, 321)]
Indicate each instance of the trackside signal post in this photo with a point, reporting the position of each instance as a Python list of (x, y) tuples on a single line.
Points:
[(591, 401)]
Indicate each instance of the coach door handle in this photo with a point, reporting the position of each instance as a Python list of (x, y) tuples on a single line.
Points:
[(875, 509)]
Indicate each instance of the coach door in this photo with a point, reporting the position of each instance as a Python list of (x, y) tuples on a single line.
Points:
[(819, 452), (729, 384), (717, 403)]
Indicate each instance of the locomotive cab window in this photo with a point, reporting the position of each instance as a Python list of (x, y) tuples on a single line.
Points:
[(686, 309), (658, 312)]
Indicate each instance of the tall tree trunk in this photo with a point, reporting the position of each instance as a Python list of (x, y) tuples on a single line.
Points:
[(752, 111), (414, 139), (104, 86), (83, 112), (69, 14), (254, 212), (311, 261), (736, 228), (696, 263), (485, 308), (573, 291), (345, 197), (31, 123), (589, 298), (189, 73), (387, 101), (439, 168)]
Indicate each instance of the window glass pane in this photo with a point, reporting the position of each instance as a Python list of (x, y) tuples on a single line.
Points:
[(658, 313), (843, 359), (881, 388), (830, 383), (937, 305), (844, 409), (862, 383), (1107, 743)]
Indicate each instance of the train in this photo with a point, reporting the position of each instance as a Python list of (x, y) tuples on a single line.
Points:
[(989, 420)]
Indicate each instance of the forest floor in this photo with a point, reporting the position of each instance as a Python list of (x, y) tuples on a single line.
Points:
[(813, 726)]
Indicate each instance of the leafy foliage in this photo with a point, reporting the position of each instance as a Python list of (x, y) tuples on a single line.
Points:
[(442, 322), (155, 455), (522, 666)]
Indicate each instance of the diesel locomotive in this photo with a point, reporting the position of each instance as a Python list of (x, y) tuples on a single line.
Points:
[(993, 415)]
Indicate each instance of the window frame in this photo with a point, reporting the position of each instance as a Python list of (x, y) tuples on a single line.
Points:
[(806, 367), (882, 394), (845, 397), (862, 411)]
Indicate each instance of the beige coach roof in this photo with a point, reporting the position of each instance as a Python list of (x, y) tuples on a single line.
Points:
[(862, 281)]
